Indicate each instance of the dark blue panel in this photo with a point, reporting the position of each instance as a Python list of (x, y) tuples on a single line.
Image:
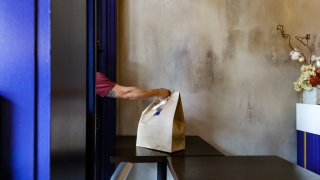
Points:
[(312, 152), (107, 65), (300, 148), (91, 55), (318, 155), (102, 157), (90, 93), (43, 131), (309, 151), (109, 112), (111, 37), (17, 87)]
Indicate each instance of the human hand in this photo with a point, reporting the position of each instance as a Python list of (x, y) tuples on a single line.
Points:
[(163, 93)]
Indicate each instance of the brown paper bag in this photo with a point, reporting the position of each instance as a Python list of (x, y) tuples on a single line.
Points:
[(161, 126)]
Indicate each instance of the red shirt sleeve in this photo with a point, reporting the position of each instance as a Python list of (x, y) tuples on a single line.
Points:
[(103, 85)]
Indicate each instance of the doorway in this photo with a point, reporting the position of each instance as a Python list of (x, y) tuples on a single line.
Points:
[(106, 64)]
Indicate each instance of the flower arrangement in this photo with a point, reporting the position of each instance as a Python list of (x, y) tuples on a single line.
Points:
[(310, 70)]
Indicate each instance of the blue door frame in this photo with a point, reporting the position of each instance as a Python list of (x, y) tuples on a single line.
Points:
[(25, 89)]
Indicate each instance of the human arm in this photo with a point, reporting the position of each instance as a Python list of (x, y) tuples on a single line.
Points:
[(106, 88), (134, 93)]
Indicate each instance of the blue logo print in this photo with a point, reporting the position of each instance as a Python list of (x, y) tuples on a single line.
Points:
[(158, 112)]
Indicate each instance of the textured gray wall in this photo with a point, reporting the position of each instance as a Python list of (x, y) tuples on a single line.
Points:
[(227, 60)]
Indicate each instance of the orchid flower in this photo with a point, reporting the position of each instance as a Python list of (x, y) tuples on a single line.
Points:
[(295, 55)]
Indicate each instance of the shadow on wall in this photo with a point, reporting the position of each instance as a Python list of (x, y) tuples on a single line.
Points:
[(129, 112), (5, 138)]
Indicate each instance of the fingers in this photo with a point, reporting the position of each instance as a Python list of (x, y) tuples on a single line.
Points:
[(164, 93), (169, 92)]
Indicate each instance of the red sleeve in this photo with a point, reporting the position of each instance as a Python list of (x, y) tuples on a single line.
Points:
[(103, 85)]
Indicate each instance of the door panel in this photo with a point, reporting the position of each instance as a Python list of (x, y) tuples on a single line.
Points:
[(17, 65), (68, 89), (106, 107)]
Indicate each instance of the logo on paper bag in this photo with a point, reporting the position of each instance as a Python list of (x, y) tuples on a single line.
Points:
[(158, 112)]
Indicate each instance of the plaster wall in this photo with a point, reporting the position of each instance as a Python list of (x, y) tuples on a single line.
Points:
[(227, 60)]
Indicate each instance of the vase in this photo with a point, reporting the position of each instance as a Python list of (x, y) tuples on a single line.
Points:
[(312, 96)]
